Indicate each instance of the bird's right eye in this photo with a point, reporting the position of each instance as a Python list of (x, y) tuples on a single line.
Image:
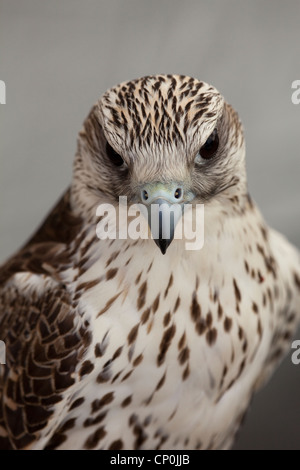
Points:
[(114, 157), (209, 149)]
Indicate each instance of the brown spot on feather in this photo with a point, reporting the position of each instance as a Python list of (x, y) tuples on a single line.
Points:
[(161, 382), (110, 274), (186, 372), (94, 439), (200, 326), (195, 308), (86, 368), (220, 311), (138, 360), (116, 445), (254, 307), (108, 304), (145, 316), (165, 343), (184, 355), (170, 283), (142, 295), (133, 334), (92, 421), (96, 405), (126, 401), (76, 403), (112, 258), (177, 303), (237, 291), (211, 336), (155, 304), (138, 278), (227, 324), (167, 319), (104, 376)]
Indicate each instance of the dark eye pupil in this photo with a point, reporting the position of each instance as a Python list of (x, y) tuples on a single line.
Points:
[(210, 147), (114, 157)]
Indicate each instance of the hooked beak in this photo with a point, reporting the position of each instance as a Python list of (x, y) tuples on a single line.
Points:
[(162, 219), (165, 206)]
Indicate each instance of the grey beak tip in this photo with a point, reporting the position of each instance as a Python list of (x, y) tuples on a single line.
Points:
[(163, 244)]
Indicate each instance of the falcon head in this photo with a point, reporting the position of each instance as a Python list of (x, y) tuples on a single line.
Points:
[(163, 139)]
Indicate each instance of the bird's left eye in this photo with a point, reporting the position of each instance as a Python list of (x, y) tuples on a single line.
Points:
[(114, 157), (209, 149)]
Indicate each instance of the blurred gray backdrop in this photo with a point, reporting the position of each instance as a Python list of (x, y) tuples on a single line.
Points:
[(58, 57)]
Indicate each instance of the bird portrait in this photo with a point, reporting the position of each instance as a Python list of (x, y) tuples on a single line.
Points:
[(140, 343)]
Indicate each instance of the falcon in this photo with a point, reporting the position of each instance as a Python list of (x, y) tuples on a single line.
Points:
[(139, 343)]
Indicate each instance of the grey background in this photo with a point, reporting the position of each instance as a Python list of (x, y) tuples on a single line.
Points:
[(58, 57)]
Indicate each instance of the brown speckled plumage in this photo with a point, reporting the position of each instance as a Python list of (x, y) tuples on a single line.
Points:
[(109, 344)]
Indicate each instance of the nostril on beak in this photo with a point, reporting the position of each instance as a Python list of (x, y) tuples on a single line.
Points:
[(158, 193), (145, 195), (178, 193)]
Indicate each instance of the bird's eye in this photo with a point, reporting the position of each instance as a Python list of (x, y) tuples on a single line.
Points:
[(114, 157), (209, 149)]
